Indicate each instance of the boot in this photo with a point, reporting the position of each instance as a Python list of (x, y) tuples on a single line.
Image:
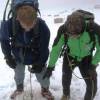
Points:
[(47, 94), (64, 97), (18, 91)]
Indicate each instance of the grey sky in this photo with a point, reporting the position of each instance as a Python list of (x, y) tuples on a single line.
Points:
[(54, 4), (57, 4)]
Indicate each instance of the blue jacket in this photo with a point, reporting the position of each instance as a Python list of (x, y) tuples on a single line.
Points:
[(24, 38)]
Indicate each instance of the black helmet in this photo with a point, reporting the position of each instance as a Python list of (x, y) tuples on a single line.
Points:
[(17, 3)]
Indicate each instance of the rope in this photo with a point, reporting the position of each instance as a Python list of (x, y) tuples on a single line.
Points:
[(92, 90), (31, 90), (31, 93), (70, 64), (4, 15), (23, 97)]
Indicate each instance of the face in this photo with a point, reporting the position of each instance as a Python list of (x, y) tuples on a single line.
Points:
[(26, 26), (75, 25), (74, 30), (27, 17), (74, 35)]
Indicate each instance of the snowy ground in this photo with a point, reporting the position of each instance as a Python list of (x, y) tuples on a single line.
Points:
[(7, 84)]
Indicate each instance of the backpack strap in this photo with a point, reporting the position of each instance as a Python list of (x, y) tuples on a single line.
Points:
[(15, 27), (96, 30), (4, 15), (92, 31), (65, 48), (92, 37), (36, 32)]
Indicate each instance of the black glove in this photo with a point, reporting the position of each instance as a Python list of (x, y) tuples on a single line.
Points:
[(72, 63), (92, 72), (48, 72), (11, 62), (36, 68)]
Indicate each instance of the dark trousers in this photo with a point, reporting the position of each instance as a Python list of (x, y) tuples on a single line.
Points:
[(84, 66)]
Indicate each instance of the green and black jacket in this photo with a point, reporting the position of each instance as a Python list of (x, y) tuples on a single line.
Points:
[(78, 47)]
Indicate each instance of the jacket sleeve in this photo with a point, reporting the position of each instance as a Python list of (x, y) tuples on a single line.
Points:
[(57, 47), (4, 38), (96, 57), (44, 42)]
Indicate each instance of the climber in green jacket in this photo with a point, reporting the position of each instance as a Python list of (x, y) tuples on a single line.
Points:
[(80, 37)]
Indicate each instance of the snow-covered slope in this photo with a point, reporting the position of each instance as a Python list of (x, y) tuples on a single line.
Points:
[(7, 84)]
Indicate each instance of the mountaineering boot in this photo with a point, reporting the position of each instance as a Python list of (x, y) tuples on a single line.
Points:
[(18, 91), (47, 94), (64, 97)]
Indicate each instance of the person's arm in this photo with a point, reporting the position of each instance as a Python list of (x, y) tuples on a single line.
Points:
[(44, 42), (55, 52), (96, 57), (4, 38), (5, 31), (57, 47)]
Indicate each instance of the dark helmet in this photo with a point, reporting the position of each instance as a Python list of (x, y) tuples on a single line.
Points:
[(17, 3)]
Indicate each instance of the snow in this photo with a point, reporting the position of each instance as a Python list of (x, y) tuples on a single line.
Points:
[(7, 84)]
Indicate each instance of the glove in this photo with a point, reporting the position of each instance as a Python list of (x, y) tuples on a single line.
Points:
[(36, 68), (11, 62), (48, 72), (92, 72), (72, 63)]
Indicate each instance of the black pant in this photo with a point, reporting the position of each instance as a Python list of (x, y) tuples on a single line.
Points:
[(83, 67)]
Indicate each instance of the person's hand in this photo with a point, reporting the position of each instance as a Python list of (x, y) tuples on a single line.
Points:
[(92, 73), (48, 72), (72, 63), (36, 68), (11, 62)]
